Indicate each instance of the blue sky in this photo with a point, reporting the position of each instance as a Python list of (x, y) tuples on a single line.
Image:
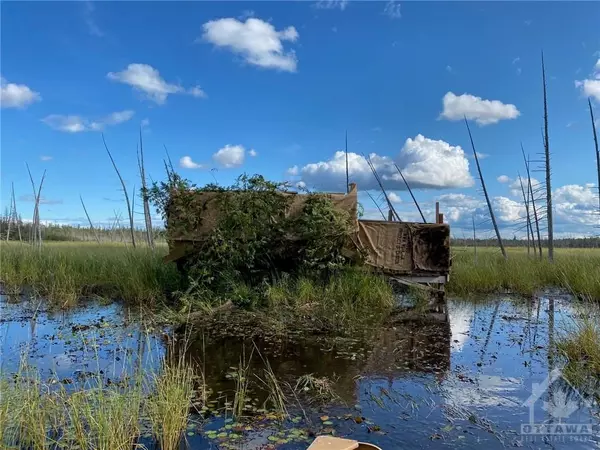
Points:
[(271, 88)]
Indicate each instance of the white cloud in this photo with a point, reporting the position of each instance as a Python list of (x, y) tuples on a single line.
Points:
[(145, 123), (45, 158), (515, 186), (394, 198), (43, 200), (257, 41), (197, 92), (146, 79), (78, 124), (591, 86), (186, 162), (230, 156), (482, 155), (16, 95), (503, 179), (484, 112), (293, 171), (449, 69), (516, 60), (424, 162), (331, 4), (88, 16), (392, 9), (253, 153)]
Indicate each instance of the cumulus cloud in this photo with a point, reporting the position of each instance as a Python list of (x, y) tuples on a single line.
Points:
[(253, 153), (147, 80), (394, 198), (425, 163), (14, 95), (591, 86), (503, 179), (257, 41), (186, 162), (78, 124), (483, 112), (230, 156)]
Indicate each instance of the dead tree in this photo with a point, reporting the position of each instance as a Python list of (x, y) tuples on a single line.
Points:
[(379, 182), (89, 220), (597, 151), (528, 217), (474, 239), (485, 193), (410, 192), (376, 204), (347, 172), (129, 210), (548, 171), (145, 197), (535, 212)]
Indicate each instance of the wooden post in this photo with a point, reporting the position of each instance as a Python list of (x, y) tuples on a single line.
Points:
[(440, 218), (437, 212)]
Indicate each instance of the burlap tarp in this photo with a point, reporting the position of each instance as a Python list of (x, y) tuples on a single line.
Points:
[(402, 247), (394, 247)]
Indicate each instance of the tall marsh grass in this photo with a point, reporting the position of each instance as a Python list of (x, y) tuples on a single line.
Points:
[(38, 416), (65, 272), (576, 270)]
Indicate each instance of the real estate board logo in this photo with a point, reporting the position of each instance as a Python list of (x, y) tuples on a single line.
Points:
[(567, 417)]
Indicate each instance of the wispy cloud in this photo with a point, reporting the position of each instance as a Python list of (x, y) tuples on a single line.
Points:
[(331, 4), (43, 200), (79, 124), (88, 17), (392, 10), (45, 158)]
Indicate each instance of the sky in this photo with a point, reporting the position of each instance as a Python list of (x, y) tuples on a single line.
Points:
[(272, 88)]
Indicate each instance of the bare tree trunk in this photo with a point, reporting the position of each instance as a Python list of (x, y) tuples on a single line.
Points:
[(548, 171), (33, 232), (371, 197), (129, 210), (485, 193), (37, 209), (145, 199), (597, 151), (16, 214), (410, 192), (11, 213), (387, 199), (474, 239), (528, 224), (89, 220), (347, 172), (535, 214)]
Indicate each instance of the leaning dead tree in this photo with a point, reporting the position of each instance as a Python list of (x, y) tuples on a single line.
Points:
[(548, 172), (36, 230), (145, 197), (534, 209), (597, 151), (527, 217), (393, 212), (13, 216), (377, 205), (410, 192), (129, 209), (89, 220), (485, 193)]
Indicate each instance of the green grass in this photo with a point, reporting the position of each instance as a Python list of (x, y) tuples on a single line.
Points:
[(38, 416), (575, 270), (65, 272), (580, 346)]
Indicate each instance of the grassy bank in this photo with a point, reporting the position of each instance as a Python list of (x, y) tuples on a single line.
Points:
[(575, 270), (65, 272)]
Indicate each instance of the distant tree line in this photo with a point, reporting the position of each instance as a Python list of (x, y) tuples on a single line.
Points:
[(20, 230), (573, 242)]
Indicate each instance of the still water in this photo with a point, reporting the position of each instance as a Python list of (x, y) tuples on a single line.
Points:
[(488, 378)]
